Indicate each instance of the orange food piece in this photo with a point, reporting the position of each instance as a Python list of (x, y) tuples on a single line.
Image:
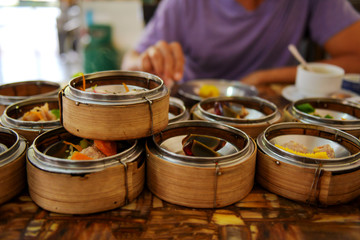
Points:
[(39, 113), (77, 147), (126, 87), (106, 147), (84, 84), (80, 156)]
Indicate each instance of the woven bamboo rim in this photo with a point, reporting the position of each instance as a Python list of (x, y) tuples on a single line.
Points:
[(115, 117), (29, 129), (253, 127), (198, 181), (12, 165), (81, 187), (350, 126), (314, 181), (14, 92)]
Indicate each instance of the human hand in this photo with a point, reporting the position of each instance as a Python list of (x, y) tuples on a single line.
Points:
[(165, 60), (284, 75), (254, 78)]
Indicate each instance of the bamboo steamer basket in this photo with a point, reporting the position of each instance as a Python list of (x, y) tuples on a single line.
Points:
[(200, 182), (262, 113), (316, 181), (346, 114), (115, 116), (11, 93), (177, 110), (29, 129), (12, 164), (86, 186)]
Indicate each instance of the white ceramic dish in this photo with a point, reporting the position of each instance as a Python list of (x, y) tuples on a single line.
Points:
[(292, 94)]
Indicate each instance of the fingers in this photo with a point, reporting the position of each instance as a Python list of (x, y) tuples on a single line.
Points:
[(145, 63), (165, 60), (179, 63), (168, 59)]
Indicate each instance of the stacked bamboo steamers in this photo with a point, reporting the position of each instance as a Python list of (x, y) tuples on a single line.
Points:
[(15, 135), (87, 186), (12, 164), (313, 122), (156, 145), (286, 173), (139, 122)]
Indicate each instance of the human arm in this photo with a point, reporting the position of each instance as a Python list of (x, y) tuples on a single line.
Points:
[(163, 59), (274, 75), (344, 51)]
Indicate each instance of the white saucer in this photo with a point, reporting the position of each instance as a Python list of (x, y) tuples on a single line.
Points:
[(291, 94)]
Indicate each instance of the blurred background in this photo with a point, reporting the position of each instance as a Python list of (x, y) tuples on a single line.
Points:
[(55, 39)]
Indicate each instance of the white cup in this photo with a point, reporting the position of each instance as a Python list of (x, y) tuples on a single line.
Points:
[(322, 81)]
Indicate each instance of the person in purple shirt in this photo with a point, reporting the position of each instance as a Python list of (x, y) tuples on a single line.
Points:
[(243, 39)]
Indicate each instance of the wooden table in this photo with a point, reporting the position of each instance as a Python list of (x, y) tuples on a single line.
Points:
[(261, 215)]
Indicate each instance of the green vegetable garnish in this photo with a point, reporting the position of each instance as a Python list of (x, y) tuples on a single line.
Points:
[(56, 113), (305, 107), (93, 87), (77, 74), (84, 143), (328, 116)]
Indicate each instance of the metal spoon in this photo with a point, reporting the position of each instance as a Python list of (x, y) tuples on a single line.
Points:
[(298, 56)]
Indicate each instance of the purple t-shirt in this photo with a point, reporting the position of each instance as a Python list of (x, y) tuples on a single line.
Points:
[(221, 39)]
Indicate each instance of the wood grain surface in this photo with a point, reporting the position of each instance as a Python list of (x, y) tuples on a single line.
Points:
[(261, 215)]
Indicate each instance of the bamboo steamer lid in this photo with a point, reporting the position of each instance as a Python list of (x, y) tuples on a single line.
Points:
[(262, 113), (177, 110), (311, 180), (83, 186), (12, 164), (137, 114), (200, 182), (11, 93), (346, 114), (29, 129)]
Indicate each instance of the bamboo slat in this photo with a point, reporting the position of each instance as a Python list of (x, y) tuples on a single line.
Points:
[(198, 186), (86, 193), (302, 184), (120, 122), (12, 178), (341, 188)]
